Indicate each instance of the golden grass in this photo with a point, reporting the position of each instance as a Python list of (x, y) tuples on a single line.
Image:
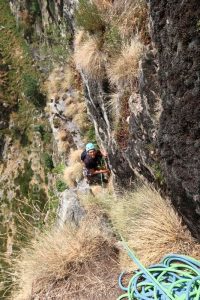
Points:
[(113, 106), (63, 135), (103, 5), (68, 264), (131, 17), (124, 69), (89, 58), (63, 146), (80, 37), (74, 108), (148, 223), (59, 81), (73, 174), (74, 156)]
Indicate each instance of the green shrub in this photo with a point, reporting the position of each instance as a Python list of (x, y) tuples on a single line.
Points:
[(90, 135), (159, 176), (59, 169), (88, 17), (24, 178), (48, 162), (32, 91), (113, 40), (61, 186)]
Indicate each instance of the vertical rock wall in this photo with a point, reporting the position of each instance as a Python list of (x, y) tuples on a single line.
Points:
[(176, 34)]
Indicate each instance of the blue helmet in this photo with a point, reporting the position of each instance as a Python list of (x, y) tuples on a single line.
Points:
[(89, 147)]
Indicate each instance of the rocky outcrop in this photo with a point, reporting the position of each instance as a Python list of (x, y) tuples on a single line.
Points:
[(176, 35)]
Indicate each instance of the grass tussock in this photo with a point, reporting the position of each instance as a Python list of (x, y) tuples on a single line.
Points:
[(68, 264), (59, 82), (89, 17), (103, 5), (73, 174), (124, 70), (131, 17), (148, 223), (74, 156), (89, 58)]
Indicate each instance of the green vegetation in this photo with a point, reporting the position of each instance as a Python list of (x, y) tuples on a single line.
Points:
[(159, 176), (32, 91), (61, 185), (48, 162), (35, 8), (24, 179), (90, 135), (113, 40), (89, 18), (59, 169), (57, 40), (21, 76)]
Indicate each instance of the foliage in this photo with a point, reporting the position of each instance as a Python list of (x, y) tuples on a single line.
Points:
[(48, 162), (32, 92), (90, 135), (45, 133), (159, 176), (35, 8), (88, 17), (24, 179), (113, 40), (61, 185), (21, 73), (59, 169)]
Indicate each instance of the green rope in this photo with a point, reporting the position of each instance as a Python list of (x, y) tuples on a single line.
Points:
[(177, 277)]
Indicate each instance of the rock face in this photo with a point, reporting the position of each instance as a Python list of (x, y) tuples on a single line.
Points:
[(176, 35)]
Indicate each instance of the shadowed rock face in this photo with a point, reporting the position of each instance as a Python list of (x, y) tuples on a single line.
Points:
[(177, 38)]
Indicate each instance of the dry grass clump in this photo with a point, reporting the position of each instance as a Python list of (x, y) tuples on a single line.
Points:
[(63, 146), (90, 59), (149, 224), (68, 264), (73, 174), (59, 81), (103, 5), (74, 108), (80, 37), (63, 135), (154, 228), (81, 119), (131, 17), (124, 70), (74, 156)]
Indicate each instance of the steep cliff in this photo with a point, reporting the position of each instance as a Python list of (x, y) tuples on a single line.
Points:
[(176, 35), (157, 133)]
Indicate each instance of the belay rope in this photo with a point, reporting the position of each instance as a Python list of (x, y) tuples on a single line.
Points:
[(176, 277)]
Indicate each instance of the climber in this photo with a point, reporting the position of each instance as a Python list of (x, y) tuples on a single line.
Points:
[(96, 169)]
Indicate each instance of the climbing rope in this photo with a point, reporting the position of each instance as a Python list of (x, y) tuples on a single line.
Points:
[(176, 277)]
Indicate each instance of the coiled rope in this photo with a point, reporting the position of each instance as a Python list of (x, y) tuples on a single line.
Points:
[(176, 277)]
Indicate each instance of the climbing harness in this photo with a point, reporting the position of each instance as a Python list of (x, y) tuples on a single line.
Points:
[(176, 277)]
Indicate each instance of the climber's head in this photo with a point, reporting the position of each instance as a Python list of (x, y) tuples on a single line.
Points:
[(90, 148)]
